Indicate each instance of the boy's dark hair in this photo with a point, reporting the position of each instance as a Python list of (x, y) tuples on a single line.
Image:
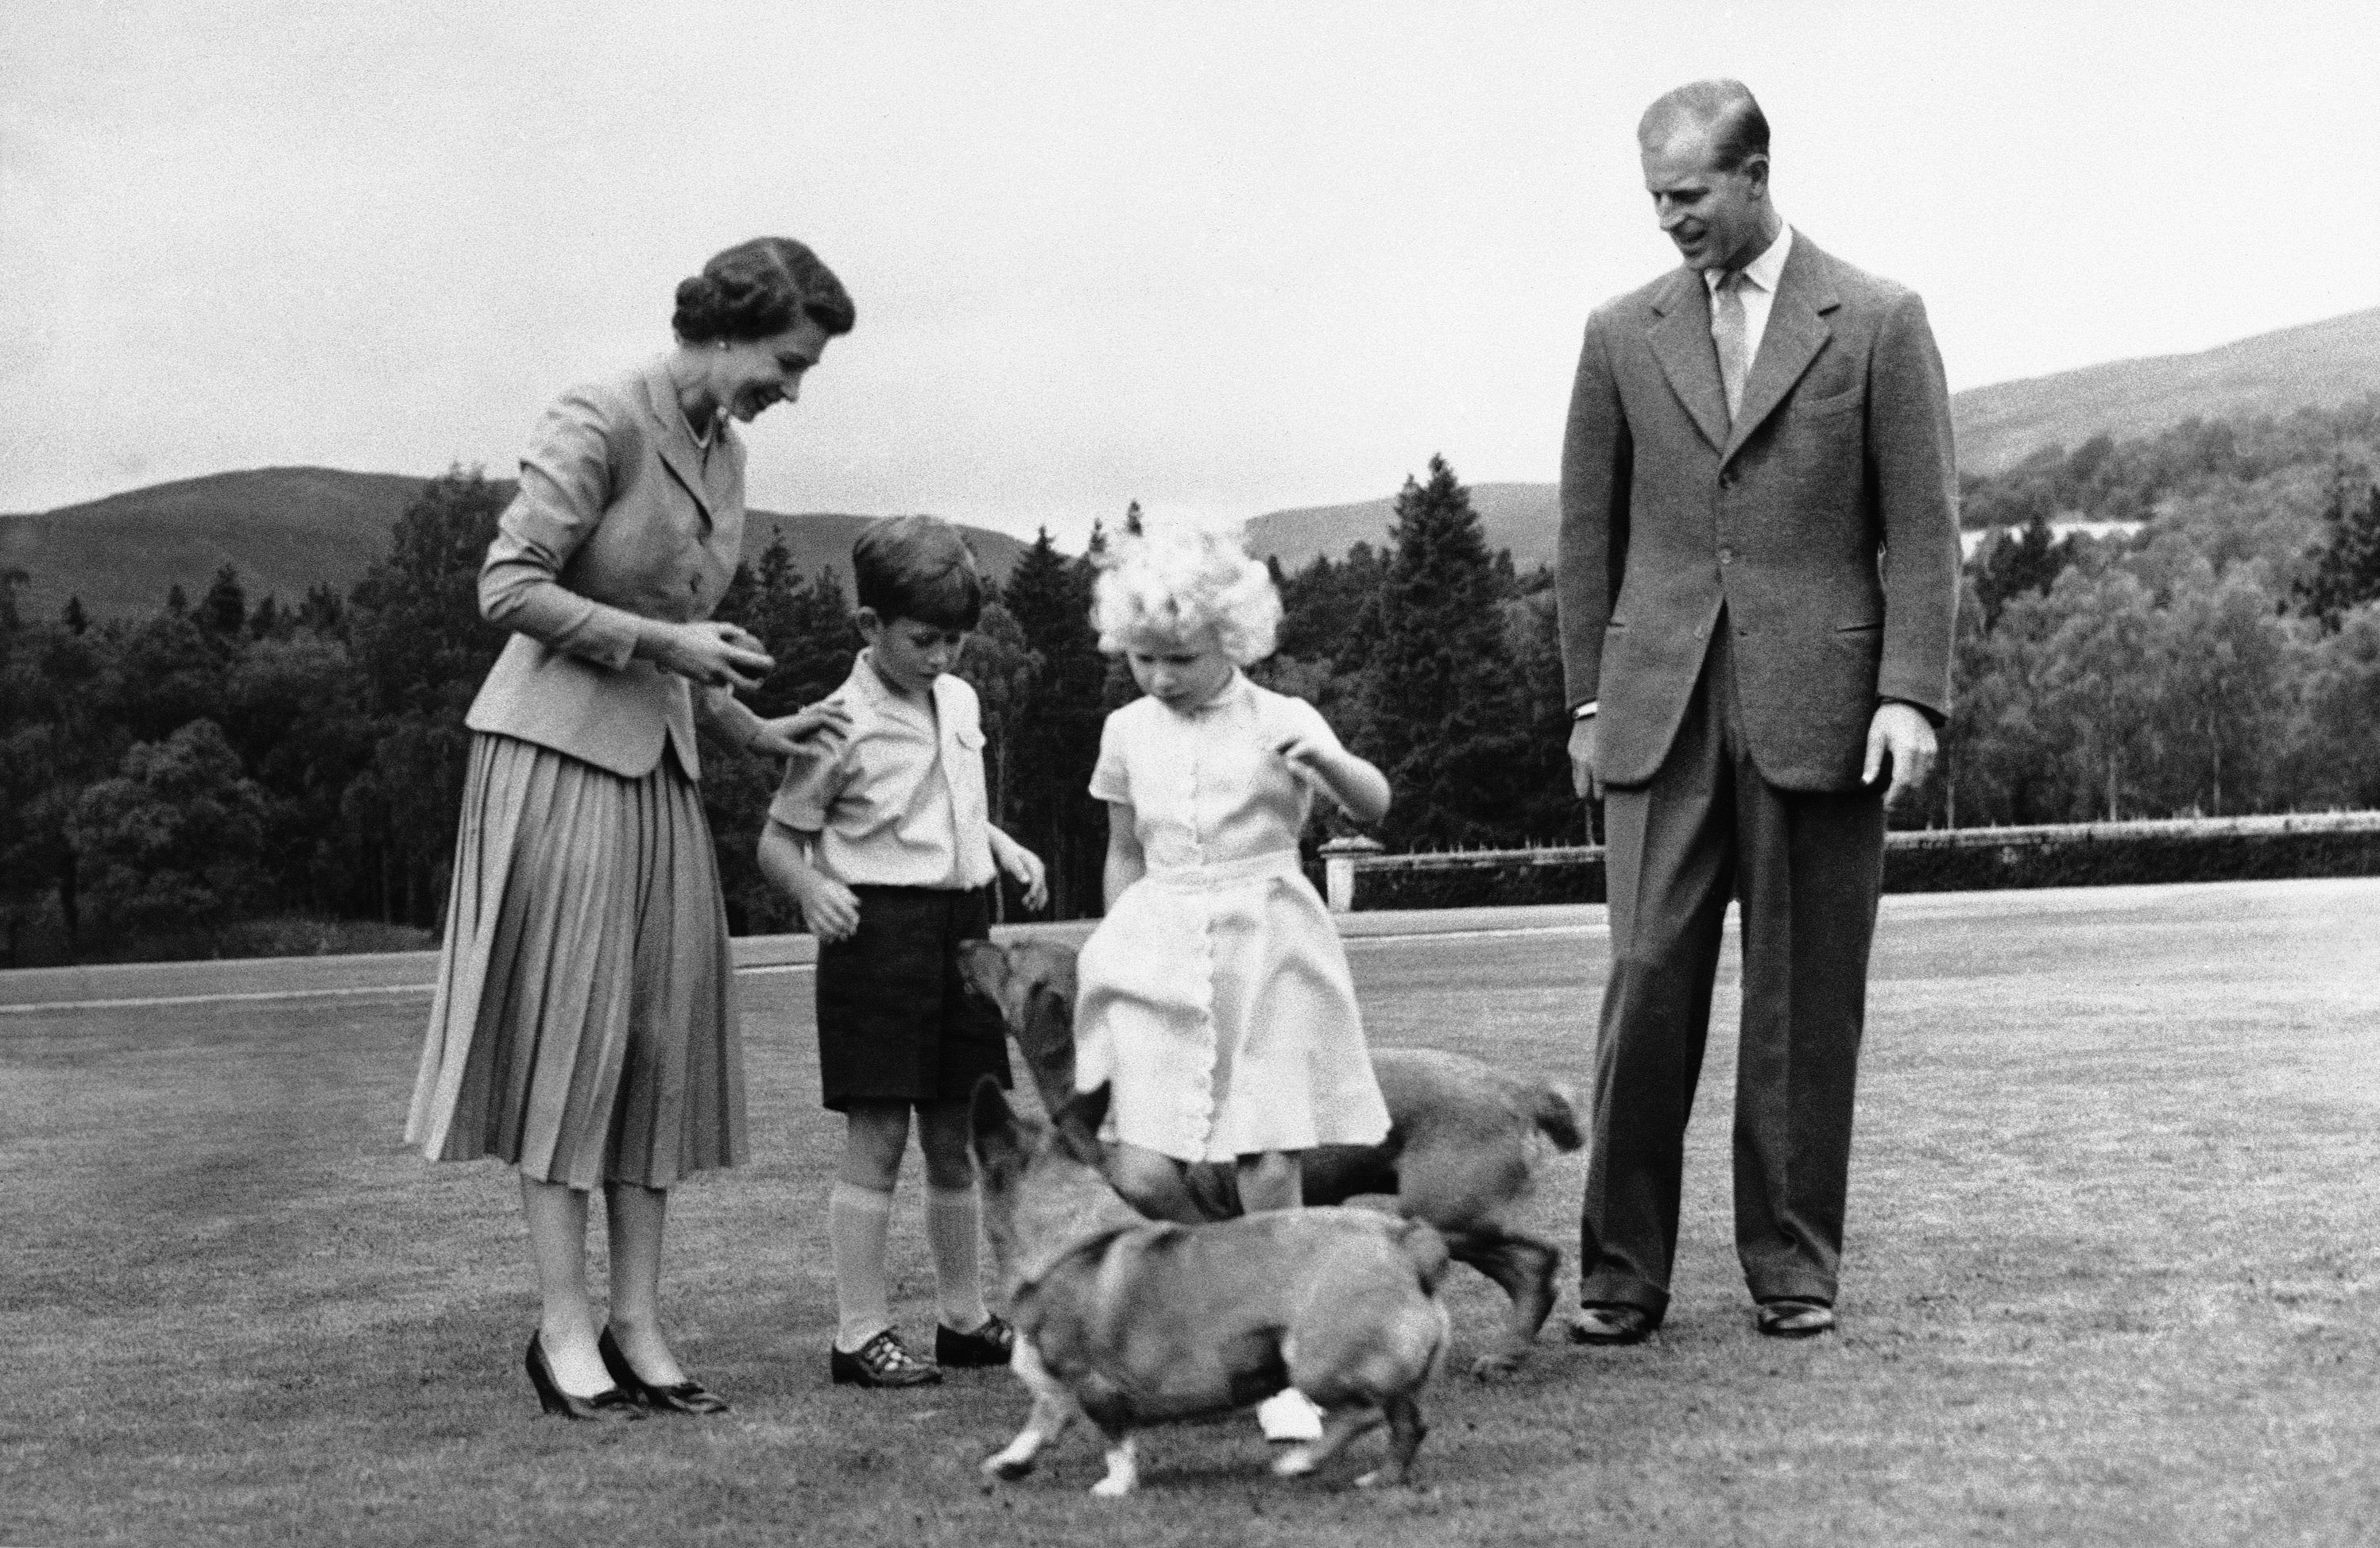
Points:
[(919, 568)]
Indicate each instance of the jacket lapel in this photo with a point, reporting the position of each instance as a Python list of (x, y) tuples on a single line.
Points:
[(1797, 330), (675, 441), (1681, 339)]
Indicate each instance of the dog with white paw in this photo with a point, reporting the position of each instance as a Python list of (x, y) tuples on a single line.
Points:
[(1125, 1322)]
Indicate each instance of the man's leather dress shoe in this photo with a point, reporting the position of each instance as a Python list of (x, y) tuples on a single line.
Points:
[(1611, 1325), (1791, 1317)]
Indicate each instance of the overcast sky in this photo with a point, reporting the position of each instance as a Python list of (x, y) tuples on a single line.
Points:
[(1216, 256)]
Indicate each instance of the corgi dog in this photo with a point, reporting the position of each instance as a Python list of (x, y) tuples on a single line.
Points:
[(1464, 1145), (1125, 1322)]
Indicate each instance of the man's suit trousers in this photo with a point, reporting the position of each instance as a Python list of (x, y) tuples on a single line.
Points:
[(1807, 868)]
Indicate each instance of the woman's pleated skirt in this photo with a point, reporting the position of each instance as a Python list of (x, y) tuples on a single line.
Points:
[(585, 1025)]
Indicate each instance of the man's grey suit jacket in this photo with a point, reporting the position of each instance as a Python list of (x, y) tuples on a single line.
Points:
[(1824, 520)]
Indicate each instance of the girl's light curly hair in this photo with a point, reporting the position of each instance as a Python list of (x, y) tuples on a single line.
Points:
[(1190, 581)]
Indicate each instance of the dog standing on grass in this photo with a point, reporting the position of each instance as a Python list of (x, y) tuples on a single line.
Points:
[(1465, 1144), (1128, 1321)]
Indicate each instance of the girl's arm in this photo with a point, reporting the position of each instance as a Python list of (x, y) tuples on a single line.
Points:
[(1359, 787), (1125, 863)]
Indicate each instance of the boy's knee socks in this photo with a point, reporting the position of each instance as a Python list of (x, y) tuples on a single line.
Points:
[(857, 1220), (953, 1223)]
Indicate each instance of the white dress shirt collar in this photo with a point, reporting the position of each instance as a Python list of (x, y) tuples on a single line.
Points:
[(1759, 290)]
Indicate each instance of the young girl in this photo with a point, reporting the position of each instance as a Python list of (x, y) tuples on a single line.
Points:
[(1214, 998)]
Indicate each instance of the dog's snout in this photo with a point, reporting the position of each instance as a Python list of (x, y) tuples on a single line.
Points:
[(983, 968)]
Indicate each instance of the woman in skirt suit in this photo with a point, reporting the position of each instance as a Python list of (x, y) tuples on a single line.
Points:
[(585, 1025)]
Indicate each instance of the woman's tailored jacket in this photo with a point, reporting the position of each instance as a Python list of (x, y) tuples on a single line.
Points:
[(620, 517)]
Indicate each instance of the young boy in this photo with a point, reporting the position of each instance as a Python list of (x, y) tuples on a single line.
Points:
[(884, 842)]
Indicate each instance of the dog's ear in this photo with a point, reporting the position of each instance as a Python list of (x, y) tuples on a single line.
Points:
[(984, 968), (1078, 1125), (1049, 1019), (992, 1130), (1047, 1036)]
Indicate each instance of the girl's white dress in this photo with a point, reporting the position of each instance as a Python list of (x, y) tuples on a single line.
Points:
[(1214, 998)]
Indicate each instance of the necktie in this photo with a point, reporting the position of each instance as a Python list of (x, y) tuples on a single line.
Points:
[(1732, 339)]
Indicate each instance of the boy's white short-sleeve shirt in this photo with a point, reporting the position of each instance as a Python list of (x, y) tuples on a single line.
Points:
[(900, 801)]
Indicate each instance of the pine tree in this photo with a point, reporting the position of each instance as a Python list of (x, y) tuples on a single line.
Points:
[(2346, 571), (814, 642), (1445, 724), (74, 617), (223, 611), (420, 648), (2009, 566), (324, 611), (415, 617), (1056, 727)]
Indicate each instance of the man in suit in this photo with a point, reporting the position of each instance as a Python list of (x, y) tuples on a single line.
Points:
[(1757, 577)]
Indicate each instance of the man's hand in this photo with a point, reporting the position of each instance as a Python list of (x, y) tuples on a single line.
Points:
[(1582, 760), (1902, 733), (824, 724)]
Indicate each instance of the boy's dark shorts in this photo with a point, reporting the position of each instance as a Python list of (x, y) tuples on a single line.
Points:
[(895, 1023)]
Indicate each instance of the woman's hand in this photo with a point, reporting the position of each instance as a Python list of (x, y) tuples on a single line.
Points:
[(711, 652), (823, 723)]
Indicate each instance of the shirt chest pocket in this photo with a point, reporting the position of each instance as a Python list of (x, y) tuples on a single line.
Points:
[(962, 766)]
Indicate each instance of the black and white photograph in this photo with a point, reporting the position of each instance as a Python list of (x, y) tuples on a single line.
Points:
[(1641, 799)]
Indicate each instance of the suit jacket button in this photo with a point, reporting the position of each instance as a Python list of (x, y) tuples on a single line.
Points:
[(1727, 555)]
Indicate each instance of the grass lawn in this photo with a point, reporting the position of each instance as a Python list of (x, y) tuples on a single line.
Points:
[(2112, 1279)]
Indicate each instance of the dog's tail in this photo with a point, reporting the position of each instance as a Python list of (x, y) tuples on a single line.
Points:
[(1426, 1250), (1557, 1118)]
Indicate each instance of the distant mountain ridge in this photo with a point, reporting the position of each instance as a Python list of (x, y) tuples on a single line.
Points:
[(1516, 516), (2319, 364), (288, 529)]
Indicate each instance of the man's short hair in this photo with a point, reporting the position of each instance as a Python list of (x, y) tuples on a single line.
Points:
[(917, 567), (1739, 129)]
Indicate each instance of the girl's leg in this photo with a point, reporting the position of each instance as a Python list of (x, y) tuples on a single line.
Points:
[(859, 1217), (1151, 1182), (953, 1217), (556, 1214), (635, 1217), (1272, 1180)]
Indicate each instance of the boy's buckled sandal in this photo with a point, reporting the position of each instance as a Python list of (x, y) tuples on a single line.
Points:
[(883, 1362), (988, 1344)]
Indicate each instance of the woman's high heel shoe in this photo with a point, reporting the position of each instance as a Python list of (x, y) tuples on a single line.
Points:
[(685, 1397), (611, 1404)]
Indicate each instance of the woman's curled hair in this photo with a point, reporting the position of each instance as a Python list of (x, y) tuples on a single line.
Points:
[(760, 288), (1185, 581)]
